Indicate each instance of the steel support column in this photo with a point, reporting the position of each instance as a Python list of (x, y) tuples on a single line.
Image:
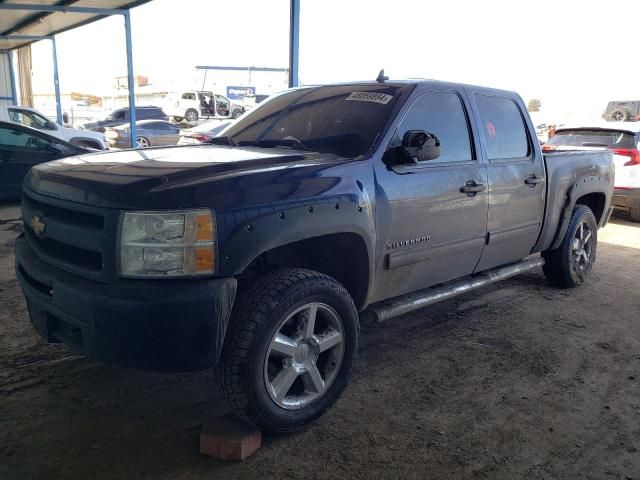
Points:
[(294, 42), (12, 76), (132, 95), (56, 81)]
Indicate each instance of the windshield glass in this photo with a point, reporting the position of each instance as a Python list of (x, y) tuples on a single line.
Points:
[(593, 138), (344, 120)]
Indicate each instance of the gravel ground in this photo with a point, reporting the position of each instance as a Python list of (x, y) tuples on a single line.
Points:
[(518, 380)]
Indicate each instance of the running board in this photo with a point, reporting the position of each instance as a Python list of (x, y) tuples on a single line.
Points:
[(413, 301)]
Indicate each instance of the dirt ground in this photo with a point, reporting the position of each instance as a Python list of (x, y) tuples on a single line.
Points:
[(519, 380)]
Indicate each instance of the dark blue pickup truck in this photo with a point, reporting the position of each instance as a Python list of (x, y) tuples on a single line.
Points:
[(260, 252)]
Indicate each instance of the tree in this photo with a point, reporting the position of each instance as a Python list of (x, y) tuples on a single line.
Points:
[(534, 105)]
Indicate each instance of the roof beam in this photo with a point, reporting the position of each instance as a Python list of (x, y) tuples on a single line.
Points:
[(62, 9), (33, 19)]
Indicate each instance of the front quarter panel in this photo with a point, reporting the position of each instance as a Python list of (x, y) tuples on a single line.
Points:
[(325, 202)]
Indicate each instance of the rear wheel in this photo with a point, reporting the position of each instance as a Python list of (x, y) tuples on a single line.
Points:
[(634, 213), (191, 115), (619, 115), (568, 265), (142, 142), (290, 349)]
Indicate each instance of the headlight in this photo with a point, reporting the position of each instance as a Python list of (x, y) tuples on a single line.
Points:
[(167, 244)]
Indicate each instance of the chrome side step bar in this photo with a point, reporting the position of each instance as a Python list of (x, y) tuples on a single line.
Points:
[(413, 301)]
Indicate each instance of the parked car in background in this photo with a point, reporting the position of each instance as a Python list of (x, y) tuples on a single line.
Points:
[(622, 111), (121, 116), (149, 133), (193, 104), (30, 117), (623, 139), (202, 133), (23, 147)]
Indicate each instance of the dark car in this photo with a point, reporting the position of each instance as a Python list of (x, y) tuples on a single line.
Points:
[(258, 252), (22, 147), (622, 111), (121, 116), (149, 133)]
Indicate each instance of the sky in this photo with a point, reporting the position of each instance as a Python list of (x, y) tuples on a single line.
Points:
[(567, 53)]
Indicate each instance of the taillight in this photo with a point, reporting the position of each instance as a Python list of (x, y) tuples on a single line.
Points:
[(200, 137), (633, 153)]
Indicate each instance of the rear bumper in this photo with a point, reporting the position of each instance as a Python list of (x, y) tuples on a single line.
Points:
[(626, 199), (155, 325)]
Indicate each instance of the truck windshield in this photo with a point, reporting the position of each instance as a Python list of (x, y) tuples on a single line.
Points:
[(581, 137), (344, 120)]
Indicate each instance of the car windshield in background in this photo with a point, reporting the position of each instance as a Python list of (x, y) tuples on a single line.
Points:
[(344, 120), (593, 138)]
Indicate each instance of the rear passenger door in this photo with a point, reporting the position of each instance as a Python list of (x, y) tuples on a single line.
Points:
[(516, 180), (432, 230)]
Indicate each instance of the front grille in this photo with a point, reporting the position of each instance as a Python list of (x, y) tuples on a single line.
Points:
[(76, 256), (74, 237), (64, 215)]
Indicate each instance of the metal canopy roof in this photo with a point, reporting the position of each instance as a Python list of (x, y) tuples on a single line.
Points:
[(24, 26)]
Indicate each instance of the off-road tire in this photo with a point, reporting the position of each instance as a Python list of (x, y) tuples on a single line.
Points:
[(559, 267), (257, 314)]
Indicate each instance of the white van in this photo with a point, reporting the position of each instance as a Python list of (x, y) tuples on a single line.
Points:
[(34, 119), (194, 104)]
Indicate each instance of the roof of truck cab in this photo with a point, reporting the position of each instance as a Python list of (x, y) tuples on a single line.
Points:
[(419, 83)]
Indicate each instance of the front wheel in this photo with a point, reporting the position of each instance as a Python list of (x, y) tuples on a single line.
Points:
[(634, 213), (236, 114), (290, 349), (568, 265), (142, 142)]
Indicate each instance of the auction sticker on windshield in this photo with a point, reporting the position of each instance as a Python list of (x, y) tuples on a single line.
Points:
[(375, 97)]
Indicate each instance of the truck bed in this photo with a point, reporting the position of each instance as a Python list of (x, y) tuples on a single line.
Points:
[(574, 177)]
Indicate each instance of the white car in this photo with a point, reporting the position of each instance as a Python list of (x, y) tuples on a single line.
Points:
[(34, 119), (623, 139), (202, 133), (194, 104)]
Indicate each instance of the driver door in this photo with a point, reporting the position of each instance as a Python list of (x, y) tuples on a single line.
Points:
[(432, 231)]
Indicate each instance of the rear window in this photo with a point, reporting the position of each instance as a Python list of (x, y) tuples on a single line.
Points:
[(593, 138), (504, 128)]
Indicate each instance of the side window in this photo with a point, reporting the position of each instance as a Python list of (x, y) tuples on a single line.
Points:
[(10, 137), (504, 128), (442, 114), (189, 96), (118, 115), (27, 118)]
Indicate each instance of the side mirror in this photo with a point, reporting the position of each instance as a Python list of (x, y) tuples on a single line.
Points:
[(50, 126), (421, 146)]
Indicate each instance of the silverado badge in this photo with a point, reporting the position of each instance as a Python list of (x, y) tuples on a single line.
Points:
[(37, 225)]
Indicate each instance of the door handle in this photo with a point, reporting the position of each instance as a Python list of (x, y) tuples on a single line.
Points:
[(532, 180), (471, 188)]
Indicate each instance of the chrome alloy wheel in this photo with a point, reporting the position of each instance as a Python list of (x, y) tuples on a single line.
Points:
[(304, 356), (582, 248)]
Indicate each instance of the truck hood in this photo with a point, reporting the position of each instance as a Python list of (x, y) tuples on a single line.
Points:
[(174, 177)]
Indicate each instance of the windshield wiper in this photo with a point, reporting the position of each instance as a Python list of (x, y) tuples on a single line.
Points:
[(273, 143), (224, 140)]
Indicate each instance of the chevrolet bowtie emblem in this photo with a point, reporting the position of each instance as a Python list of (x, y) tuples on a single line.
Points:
[(37, 225)]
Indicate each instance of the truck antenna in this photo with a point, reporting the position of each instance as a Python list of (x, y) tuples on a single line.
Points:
[(381, 77)]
